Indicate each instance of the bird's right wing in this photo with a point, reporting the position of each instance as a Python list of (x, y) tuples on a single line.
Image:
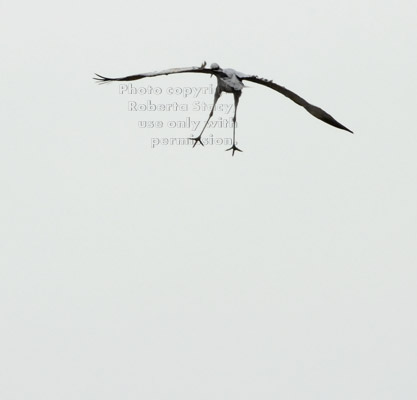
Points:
[(201, 70), (313, 110)]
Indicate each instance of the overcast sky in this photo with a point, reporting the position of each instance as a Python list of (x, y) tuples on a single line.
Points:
[(133, 269)]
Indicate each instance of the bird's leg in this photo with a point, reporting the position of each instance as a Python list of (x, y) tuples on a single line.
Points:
[(234, 148), (216, 97)]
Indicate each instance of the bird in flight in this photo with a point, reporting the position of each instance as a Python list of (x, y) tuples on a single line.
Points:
[(231, 81)]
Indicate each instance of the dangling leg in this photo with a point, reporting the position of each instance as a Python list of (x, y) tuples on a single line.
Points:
[(234, 148), (216, 97)]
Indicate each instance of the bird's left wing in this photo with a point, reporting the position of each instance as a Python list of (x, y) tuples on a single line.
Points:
[(313, 110), (201, 70)]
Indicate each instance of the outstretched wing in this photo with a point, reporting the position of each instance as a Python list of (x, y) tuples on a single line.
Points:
[(313, 110), (201, 70)]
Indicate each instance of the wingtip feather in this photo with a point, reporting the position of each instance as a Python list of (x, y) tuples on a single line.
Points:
[(101, 79)]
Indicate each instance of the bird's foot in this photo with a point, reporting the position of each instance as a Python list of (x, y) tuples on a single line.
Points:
[(234, 148), (196, 140)]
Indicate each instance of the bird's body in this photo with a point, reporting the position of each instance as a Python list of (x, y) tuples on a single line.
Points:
[(231, 81)]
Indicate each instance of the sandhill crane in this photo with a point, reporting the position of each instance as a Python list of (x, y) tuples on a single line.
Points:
[(231, 81)]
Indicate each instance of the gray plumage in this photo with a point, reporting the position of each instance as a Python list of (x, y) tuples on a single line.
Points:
[(231, 81)]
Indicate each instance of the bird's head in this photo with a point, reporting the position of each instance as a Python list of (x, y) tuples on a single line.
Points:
[(215, 67)]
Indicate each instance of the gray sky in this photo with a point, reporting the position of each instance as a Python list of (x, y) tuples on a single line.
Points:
[(287, 271)]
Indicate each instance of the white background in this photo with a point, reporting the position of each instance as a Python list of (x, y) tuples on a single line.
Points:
[(285, 272)]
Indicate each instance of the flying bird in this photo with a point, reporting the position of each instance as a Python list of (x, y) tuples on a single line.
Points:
[(231, 81)]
